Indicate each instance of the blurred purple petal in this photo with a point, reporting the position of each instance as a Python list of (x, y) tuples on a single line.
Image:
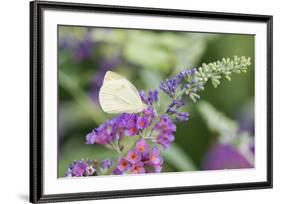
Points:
[(224, 156), (83, 49)]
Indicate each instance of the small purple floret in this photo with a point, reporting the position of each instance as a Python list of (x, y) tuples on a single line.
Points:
[(149, 98), (183, 116), (142, 146), (105, 164), (133, 156), (79, 168), (142, 123), (164, 130), (137, 168), (123, 164), (155, 157), (117, 171)]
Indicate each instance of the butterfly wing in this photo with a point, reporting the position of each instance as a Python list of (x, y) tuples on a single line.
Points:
[(118, 95)]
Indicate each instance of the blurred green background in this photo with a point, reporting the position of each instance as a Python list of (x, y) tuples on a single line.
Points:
[(145, 57)]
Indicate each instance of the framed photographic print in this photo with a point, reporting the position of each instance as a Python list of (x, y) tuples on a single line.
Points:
[(131, 101)]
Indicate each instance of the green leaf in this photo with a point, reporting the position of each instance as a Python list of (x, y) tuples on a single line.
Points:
[(91, 109), (218, 122), (178, 158), (150, 78), (148, 56), (115, 37)]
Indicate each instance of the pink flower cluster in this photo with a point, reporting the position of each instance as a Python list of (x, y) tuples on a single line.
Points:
[(140, 160)]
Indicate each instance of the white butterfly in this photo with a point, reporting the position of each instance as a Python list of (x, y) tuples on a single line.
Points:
[(118, 95)]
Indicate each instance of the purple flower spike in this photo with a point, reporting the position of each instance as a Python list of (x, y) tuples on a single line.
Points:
[(133, 156), (142, 146), (155, 128), (79, 168), (155, 157)]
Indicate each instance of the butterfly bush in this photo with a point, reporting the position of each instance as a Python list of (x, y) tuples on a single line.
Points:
[(152, 129)]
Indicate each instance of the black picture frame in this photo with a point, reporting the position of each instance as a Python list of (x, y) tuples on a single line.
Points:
[(36, 101)]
